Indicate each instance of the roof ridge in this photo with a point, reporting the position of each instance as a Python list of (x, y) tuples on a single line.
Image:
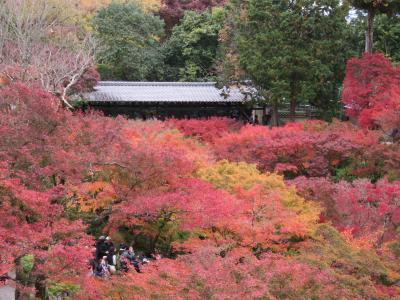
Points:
[(154, 83)]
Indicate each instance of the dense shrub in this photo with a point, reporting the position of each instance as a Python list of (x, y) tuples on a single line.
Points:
[(311, 148), (366, 210), (207, 130)]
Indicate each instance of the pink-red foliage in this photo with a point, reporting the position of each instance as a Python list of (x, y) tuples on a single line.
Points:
[(191, 203), (137, 178), (368, 208), (45, 145), (312, 148), (48, 158), (239, 275), (365, 209), (207, 130), (319, 189), (33, 223), (371, 91)]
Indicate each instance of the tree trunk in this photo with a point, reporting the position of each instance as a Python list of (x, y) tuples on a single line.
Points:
[(292, 109), (275, 114), (369, 35), (293, 96)]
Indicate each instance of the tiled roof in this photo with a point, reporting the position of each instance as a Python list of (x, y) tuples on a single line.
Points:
[(121, 91)]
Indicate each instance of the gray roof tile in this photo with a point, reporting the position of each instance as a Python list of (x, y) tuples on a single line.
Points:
[(122, 91)]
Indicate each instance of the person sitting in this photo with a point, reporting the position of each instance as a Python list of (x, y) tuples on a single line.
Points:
[(131, 257), (103, 268), (122, 248), (122, 261), (143, 259), (128, 253), (112, 259)]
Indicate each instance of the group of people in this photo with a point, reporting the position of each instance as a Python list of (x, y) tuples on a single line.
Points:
[(108, 260)]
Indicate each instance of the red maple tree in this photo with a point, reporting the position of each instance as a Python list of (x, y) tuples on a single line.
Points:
[(371, 91), (173, 10)]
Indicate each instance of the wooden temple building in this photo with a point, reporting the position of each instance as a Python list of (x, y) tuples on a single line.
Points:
[(161, 100)]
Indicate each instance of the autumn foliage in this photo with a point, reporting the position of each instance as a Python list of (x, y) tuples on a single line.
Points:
[(305, 211), (372, 91), (206, 130)]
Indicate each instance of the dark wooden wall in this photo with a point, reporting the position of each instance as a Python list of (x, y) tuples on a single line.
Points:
[(174, 110)]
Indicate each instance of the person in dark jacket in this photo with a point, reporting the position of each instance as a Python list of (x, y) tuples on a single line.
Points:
[(129, 254), (109, 244), (101, 247)]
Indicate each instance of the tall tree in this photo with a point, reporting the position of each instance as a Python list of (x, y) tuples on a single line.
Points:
[(386, 35), (295, 50), (374, 7), (192, 48), (130, 39)]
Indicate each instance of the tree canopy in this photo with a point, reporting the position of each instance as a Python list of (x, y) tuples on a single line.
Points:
[(191, 51), (374, 7), (295, 50), (130, 42)]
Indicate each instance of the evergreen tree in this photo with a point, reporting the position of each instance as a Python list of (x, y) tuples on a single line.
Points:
[(129, 39), (191, 51), (374, 7), (386, 35), (295, 51)]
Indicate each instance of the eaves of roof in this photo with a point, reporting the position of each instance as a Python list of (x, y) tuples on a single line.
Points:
[(170, 92)]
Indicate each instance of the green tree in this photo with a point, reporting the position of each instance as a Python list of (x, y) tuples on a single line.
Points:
[(130, 42), (386, 35), (191, 51), (374, 7), (295, 51)]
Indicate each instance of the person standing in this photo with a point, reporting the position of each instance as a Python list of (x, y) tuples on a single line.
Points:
[(101, 247)]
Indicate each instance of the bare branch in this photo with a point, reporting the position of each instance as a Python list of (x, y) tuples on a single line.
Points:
[(41, 44)]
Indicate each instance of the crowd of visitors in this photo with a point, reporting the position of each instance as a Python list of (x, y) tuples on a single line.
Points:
[(108, 260)]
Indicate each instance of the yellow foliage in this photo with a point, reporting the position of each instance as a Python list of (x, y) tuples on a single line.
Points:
[(93, 5), (91, 196), (150, 5), (230, 176)]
